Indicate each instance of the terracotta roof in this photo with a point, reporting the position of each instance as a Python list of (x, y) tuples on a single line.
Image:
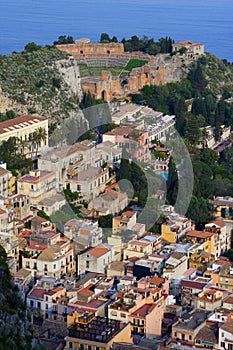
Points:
[(219, 223), (37, 293), (143, 310), (229, 300), (156, 280), (86, 291), (3, 171), (193, 284), (99, 251), (199, 234), (21, 122), (228, 327), (2, 211), (224, 262)]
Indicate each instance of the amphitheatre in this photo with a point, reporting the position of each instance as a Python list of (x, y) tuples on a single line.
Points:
[(108, 72)]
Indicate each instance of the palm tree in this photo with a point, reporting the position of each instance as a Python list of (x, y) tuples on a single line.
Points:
[(42, 134), (22, 145), (38, 135)]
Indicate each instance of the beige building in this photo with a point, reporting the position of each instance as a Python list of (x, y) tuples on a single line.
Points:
[(109, 202), (97, 333), (22, 127), (38, 185), (126, 221), (89, 183), (64, 160), (95, 259), (54, 261), (7, 181)]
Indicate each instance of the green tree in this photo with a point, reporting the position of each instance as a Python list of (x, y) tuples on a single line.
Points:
[(31, 47), (105, 38), (172, 182), (15, 328)]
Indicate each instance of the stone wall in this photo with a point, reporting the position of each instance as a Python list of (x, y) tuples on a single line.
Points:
[(89, 50)]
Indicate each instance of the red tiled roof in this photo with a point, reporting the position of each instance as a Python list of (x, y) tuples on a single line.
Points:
[(86, 291), (143, 310), (193, 284), (37, 293), (199, 234), (19, 120), (229, 300), (98, 251), (2, 211), (219, 223), (156, 280)]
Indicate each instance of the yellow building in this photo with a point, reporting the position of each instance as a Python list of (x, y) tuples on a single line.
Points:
[(203, 241), (90, 332), (7, 182), (38, 185), (175, 227), (22, 127)]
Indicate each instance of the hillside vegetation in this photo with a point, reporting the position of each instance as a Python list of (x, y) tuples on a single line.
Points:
[(33, 81)]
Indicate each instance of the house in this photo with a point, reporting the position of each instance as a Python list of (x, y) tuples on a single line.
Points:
[(109, 202), (38, 185), (135, 141), (209, 299), (52, 204), (175, 265), (20, 204), (89, 183), (223, 207), (95, 259), (137, 248), (124, 112), (187, 327), (218, 227), (123, 222), (147, 320), (193, 49), (110, 153), (94, 332), (175, 227), (7, 181), (225, 338), (54, 261), (58, 160)]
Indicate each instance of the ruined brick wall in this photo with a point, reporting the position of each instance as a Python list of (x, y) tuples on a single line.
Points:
[(108, 87), (93, 50)]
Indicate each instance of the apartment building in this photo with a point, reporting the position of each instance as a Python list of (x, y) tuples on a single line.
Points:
[(94, 332), (7, 181), (89, 183), (175, 227), (23, 127), (123, 222), (38, 185)]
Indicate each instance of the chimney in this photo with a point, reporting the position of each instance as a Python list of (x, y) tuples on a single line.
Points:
[(229, 318)]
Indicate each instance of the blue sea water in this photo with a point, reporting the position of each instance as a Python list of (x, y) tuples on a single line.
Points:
[(42, 21)]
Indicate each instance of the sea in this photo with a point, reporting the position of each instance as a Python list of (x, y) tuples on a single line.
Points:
[(209, 22)]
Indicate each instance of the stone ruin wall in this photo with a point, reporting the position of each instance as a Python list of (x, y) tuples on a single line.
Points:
[(80, 50), (159, 70)]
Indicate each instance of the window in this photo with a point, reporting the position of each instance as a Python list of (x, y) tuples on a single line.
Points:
[(89, 347), (70, 345), (31, 303), (54, 266), (38, 304), (123, 315), (87, 264), (97, 348)]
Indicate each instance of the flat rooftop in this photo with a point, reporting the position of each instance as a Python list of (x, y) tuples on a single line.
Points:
[(97, 329)]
